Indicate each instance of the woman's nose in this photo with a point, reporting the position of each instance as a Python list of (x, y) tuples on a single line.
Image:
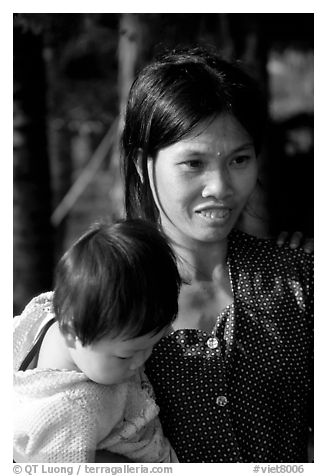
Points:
[(217, 185)]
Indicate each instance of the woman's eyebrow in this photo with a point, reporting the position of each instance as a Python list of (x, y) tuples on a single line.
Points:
[(248, 145), (198, 151), (193, 152)]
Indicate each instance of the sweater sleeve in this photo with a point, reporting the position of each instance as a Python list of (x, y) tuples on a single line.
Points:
[(61, 432), (147, 446), (139, 436)]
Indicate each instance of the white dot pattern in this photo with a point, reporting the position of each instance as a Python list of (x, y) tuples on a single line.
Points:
[(248, 400)]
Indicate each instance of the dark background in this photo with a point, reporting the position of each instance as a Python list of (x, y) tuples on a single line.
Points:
[(72, 73)]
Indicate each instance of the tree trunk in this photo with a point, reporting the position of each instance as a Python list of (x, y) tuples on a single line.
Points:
[(129, 53), (33, 255)]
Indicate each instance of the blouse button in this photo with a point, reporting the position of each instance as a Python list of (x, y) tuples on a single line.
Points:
[(221, 400), (212, 343)]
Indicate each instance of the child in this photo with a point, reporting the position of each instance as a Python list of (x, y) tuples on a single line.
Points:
[(78, 352)]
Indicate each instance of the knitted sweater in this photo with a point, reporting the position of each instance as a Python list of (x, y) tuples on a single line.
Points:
[(62, 416)]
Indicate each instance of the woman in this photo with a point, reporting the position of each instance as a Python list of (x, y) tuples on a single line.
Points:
[(234, 379)]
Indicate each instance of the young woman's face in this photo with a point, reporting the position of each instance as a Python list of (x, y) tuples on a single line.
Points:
[(110, 361), (202, 183)]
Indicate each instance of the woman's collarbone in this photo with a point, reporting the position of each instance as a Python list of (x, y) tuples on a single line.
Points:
[(199, 307)]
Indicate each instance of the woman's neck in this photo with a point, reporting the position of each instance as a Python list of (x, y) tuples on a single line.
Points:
[(207, 288), (202, 261)]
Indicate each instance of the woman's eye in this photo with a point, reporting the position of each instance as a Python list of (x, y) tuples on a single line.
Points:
[(123, 358), (241, 160), (193, 164)]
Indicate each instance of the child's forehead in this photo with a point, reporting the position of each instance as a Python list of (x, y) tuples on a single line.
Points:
[(142, 341), (123, 342)]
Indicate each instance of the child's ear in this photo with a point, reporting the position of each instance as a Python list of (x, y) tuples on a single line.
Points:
[(70, 340)]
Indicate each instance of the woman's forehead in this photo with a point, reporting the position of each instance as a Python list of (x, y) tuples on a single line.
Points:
[(207, 139)]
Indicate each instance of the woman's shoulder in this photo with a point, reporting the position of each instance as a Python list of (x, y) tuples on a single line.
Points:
[(262, 259), (262, 267), (266, 251)]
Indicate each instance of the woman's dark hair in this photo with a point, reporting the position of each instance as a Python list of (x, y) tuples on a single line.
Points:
[(117, 280), (168, 99)]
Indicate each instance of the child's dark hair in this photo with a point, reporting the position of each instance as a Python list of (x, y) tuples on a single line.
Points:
[(117, 280)]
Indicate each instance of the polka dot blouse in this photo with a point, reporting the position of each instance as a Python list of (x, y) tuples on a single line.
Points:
[(246, 395)]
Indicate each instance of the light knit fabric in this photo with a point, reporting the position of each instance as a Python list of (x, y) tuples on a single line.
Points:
[(62, 416)]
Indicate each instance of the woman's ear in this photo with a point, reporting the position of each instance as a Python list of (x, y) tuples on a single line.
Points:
[(152, 180), (138, 164), (150, 172), (150, 169)]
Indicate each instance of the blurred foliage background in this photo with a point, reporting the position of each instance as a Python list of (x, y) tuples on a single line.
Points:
[(72, 73)]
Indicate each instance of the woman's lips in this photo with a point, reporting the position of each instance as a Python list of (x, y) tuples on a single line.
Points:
[(215, 214)]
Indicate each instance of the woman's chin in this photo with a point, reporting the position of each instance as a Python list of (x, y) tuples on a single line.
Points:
[(214, 234)]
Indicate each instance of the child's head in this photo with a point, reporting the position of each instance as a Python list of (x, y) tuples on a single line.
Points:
[(116, 292)]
